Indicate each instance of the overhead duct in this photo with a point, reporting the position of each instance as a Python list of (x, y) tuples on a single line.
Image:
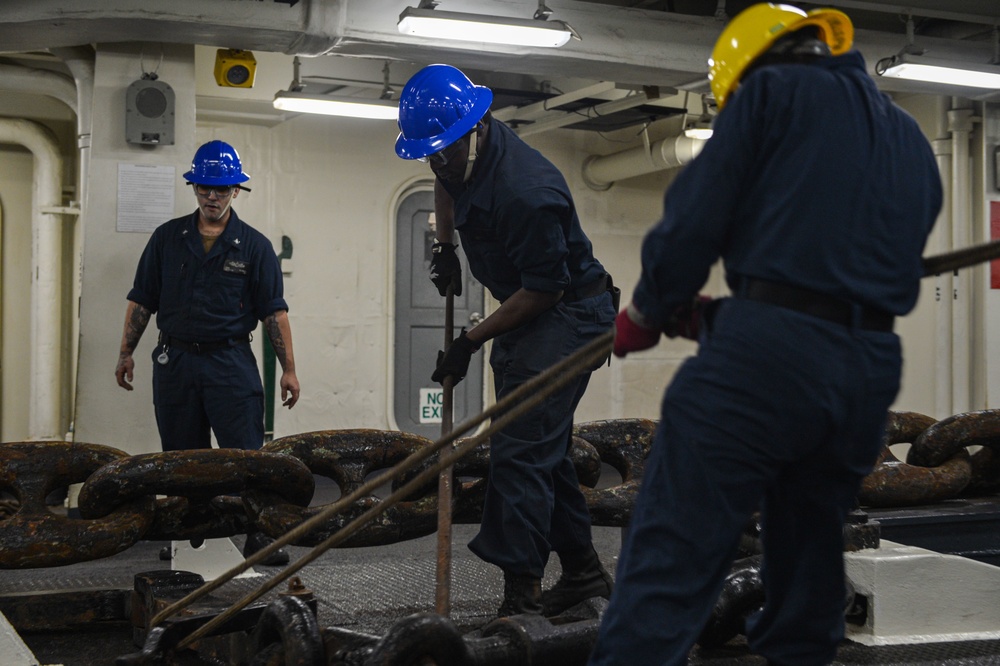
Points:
[(600, 172), (621, 44)]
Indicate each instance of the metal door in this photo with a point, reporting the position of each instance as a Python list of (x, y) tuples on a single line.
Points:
[(419, 332)]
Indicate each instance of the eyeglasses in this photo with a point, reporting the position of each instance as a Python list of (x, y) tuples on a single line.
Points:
[(437, 159), (440, 158), (221, 191)]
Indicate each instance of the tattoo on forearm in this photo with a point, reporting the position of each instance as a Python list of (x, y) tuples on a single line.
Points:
[(134, 327), (277, 341)]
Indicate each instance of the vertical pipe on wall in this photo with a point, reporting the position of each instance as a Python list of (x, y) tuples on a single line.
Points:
[(46, 275), (960, 125), (943, 287), (80, 61)]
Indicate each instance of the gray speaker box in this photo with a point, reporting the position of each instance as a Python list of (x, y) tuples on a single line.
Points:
[(149, 113)]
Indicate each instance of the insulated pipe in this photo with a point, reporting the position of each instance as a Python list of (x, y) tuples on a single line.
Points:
[(46, 275), (960, 125), (39, 82), (80, 61), (600, 172), (943, 289)]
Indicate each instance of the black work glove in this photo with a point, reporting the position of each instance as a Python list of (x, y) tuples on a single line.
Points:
[(456, 362), (446, 269)]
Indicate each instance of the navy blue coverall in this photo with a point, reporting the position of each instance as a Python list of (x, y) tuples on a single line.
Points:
[(519, 228), (216, 300), (814, 180)]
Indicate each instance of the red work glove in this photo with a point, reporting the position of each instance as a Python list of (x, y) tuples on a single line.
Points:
[(631, 336), (686, 320)]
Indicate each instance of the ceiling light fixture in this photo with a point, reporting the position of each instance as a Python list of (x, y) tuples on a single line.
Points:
[(910, 63), (335, 105), (918, 68), (699, 127), (294, 99), (425, 21)]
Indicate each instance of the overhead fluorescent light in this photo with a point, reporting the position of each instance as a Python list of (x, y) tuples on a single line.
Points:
[(696, 132), (331, 105), (436, 24), (949, 72)]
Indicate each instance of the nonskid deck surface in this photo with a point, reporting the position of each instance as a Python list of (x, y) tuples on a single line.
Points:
[(369, 589)]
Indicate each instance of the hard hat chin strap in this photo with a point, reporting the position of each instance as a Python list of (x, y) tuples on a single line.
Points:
[(473, 146)]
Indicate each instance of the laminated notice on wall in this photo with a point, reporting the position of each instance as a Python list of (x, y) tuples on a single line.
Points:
[(145, 196), (995, 235)]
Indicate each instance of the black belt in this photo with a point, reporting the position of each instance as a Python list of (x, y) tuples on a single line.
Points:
[(202, 347), (595, 288), (816, 304)]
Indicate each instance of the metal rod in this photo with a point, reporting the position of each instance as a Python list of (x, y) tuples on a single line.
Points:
[(530, 393), (536, 391), (442, 589), (963, 258)]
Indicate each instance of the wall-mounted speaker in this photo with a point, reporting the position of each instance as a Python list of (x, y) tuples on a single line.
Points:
[(149, 113)]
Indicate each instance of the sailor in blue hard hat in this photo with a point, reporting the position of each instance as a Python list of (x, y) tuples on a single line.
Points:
[(524, 242), (210, 278), (217, 176)]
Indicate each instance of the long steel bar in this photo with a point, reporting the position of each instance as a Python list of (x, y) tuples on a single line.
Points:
[(542, 387), (442, 581), (524, 397), (963, 258)]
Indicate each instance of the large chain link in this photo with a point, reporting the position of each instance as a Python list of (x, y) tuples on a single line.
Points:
[(219, 493), (223, 492), (939, 465), (33, 536)]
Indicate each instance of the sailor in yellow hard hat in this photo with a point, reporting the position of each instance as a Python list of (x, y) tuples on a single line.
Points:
[(818, 194)]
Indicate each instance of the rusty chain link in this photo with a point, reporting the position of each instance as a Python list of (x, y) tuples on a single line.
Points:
[(938, 465), (219, 493), (275, 485)]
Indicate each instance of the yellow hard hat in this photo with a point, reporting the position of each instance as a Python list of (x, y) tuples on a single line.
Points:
[(755, 29)]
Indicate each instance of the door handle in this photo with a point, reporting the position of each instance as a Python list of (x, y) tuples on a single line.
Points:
[(475, 319)]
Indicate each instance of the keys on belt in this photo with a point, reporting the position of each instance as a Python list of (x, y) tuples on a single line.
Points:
[(198, 347)]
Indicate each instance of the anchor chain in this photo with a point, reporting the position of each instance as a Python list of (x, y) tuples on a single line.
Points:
[(220, 493), (223, 492), (939, 465)]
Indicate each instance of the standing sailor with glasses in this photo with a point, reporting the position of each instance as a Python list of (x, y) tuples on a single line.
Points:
[(521, 234), (209, 277)]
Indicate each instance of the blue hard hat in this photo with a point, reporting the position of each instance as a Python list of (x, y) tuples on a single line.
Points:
[(216, 163), (438, 106)]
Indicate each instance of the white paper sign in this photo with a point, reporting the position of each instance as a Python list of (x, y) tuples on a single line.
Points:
[(430, 405), (145, 196)]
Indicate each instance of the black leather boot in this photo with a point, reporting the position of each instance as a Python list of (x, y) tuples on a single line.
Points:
[(521, 595), (582, 578)]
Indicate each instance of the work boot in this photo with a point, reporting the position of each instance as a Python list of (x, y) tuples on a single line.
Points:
[(258, 540), (581, 579), (522, 595)]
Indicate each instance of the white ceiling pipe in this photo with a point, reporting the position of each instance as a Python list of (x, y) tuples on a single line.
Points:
[(46, 275), (602, 171), (39, 82)]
